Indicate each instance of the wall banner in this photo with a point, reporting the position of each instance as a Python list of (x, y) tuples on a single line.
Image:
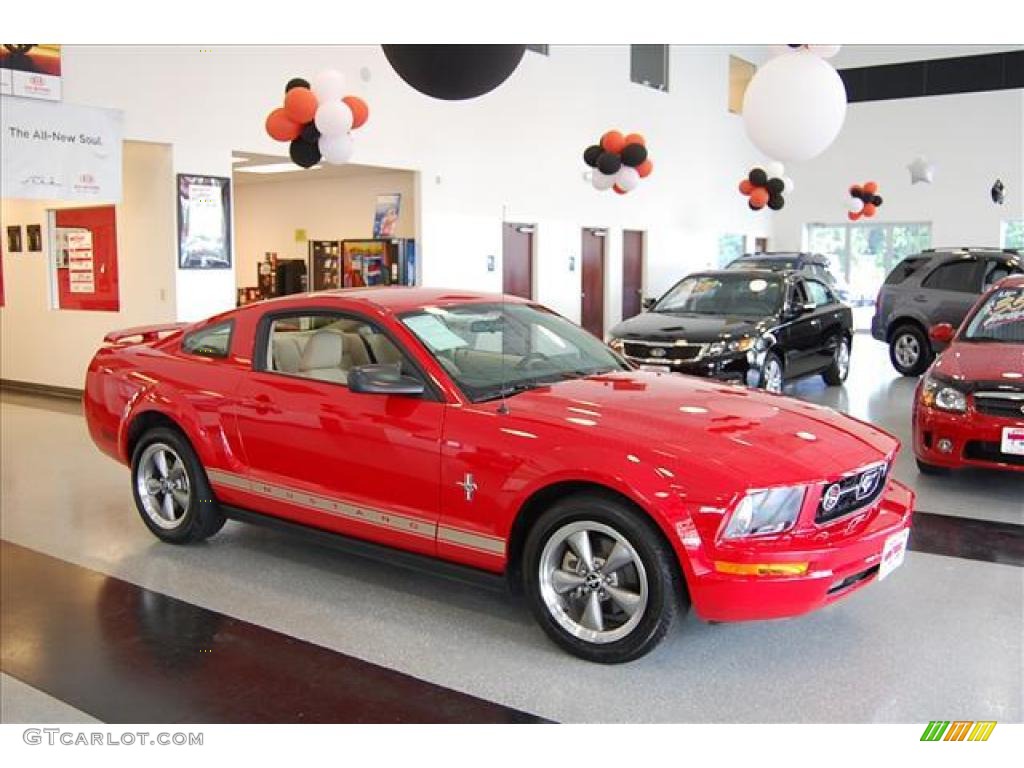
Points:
[(31, 71), (55, 151)]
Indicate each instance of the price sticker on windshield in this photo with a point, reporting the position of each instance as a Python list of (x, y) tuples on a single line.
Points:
[(1007, 307), (756, 286)]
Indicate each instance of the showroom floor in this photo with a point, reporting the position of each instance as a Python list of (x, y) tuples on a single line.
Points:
[(102, 621)]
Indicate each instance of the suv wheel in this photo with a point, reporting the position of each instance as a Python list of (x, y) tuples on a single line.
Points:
[(910, 351)]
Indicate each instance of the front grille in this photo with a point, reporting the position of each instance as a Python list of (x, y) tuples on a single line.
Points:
[(983, 450), (1008, 405), (853, 492), (666, 353)]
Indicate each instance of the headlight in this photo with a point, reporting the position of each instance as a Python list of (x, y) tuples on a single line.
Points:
[(938, 394), (729, 347), (764, 512), (617, 345)]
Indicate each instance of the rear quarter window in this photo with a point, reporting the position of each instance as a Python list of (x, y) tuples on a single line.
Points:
[(212, 341), (905, 269)]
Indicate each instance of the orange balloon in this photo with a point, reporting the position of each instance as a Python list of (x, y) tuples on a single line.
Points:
[(613, 141), (746, 187), (360, 111), (645, 168), (853, 216), (759, 197), (619, 189), (869, 210), (300, 105), (635, 138), (871, 187), (281, 127)]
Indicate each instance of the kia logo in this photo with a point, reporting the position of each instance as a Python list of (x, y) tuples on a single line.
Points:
[(658, 352)]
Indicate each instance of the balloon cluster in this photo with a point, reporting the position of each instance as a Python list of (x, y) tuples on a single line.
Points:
[(864, 201), (619, 162), (764, 186), (317, 119)]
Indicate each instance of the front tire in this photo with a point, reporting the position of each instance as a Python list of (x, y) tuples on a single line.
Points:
[(772, 377), (171, 490), (840, 368), (601, 581), (910, 351)]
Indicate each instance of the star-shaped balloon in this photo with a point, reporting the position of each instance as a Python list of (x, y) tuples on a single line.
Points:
[(921, 171)]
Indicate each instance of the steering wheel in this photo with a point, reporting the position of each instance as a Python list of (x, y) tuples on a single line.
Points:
[(524, 363)]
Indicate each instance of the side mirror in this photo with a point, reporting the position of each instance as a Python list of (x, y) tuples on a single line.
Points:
[(380, 379), (648, 303), (942, 333), (795, 309)]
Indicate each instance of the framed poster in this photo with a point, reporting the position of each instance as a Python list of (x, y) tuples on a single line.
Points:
[(34, 233), (385, 215), (204, 222), (14, 238), (30, 71)]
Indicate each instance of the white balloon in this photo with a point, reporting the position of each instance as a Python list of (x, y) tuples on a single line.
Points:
[(333, 117), (336, 149), (825, 51), (328, 85), (602, 181), (787, 185), (627, 178), (794, 106), (855, 204), (775, 169)]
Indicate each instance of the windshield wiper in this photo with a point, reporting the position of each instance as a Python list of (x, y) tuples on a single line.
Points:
[(512, 389)]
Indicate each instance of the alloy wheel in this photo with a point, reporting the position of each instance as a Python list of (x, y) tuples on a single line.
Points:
[(162, 484), (906, 350), (772, 376), (843, 358), (593, 582)]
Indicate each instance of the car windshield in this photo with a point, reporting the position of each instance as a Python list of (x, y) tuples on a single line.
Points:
[(776, 265), (495, 350), (740, 294), (1000, 318)]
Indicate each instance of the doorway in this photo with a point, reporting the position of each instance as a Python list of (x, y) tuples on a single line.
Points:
[(632, 272), (592, 297), (517, 260)]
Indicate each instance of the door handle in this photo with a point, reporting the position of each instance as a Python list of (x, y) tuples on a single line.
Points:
[(920, 299), (261, 404)]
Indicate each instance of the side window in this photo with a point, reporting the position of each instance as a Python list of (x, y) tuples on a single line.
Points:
[(798, 295), (818, 293), (995, 271), (959, 276), (326, 346), (905, 269), (212, 341)]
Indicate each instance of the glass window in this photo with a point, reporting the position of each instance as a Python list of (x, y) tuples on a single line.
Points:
[(739, 294), (1001, 318), (818, 294), (996, 270), (648, 65), (326, 346), (492, 350), (905, 269), (1012, 235), (741, 72), (213, 341), (959, 276), (730, 248)]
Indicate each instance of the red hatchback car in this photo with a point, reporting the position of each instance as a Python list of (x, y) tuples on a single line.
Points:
[(969, 406), (490, 432)]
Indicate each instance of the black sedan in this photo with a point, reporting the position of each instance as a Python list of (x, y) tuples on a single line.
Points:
[(756, 327)]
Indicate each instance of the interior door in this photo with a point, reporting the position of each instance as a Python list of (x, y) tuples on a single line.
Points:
[(632, 273), (86, 258), (592, 297), (517, 260), (366, 465)]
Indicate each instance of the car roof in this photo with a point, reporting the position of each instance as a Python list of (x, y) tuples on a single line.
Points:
[(749, 271), (783, 256), (395, 299), (1008, 254)]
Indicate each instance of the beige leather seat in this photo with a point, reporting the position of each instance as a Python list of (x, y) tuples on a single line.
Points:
[(355, 351), (287, 351), (383, 350), (323, 357)]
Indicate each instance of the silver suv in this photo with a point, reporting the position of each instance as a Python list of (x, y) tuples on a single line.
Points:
[(935, 286)]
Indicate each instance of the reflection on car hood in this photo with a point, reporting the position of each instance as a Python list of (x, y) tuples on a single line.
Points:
[(663, 326), (704, 426)]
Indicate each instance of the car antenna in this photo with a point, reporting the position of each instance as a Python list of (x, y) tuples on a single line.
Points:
[(503, 405)]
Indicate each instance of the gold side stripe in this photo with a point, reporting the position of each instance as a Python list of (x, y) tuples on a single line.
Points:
[(459, 537)]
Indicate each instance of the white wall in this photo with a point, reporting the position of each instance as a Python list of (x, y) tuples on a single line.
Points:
[(44, 345), (267, 213), (971, 138)]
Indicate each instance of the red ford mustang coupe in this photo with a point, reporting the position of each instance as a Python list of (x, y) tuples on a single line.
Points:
[(492, 433), (969, 407)]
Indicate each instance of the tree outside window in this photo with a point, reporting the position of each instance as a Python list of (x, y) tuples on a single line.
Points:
[(1013, 233)]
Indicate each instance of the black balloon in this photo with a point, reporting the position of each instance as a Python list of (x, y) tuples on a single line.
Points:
[(876, 200), (591, 153), (296, 82), (775, 202), (310, 134), (775, 186), (454, 72), (758, 177), (303, 153), (752, 207), (998, 192), (634, 155), (609, 163)]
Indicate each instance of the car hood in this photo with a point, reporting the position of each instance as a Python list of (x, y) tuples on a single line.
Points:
[(985, 362), (663, 326), (750, 436)]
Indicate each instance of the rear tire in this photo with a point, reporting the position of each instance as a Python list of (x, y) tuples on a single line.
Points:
[(171, 490), (840, 368), (910, 351), (599, 614), (931, 469)]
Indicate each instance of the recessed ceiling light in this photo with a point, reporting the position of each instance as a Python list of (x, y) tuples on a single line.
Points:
[(274, 168)]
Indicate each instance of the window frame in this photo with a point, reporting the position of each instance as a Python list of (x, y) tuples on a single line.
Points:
[(210, 327), (266, 322), (829, 295)]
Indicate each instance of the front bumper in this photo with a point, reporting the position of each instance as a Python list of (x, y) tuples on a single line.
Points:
[(838, 565), (975, 439), (735, 368)]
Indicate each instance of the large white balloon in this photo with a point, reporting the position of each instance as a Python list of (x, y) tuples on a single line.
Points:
[(787, 185), (825, 51), (627, 178), (328, 85), (333, 117), (794, 106), (336, 149), (602, 181)]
